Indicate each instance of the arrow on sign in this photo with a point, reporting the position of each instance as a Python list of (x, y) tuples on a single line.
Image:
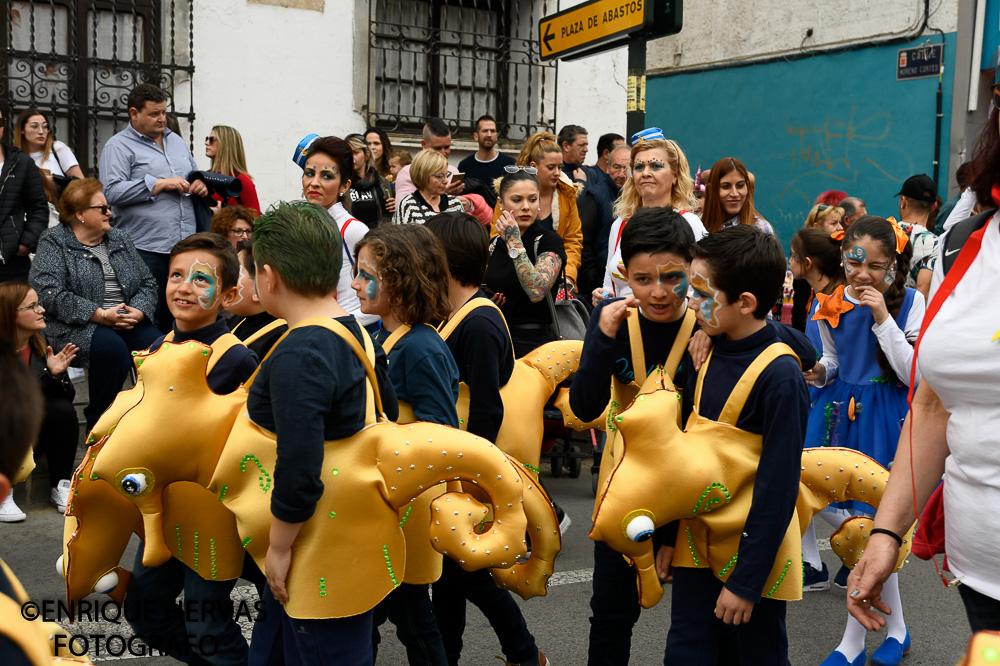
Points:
[(547, 39)]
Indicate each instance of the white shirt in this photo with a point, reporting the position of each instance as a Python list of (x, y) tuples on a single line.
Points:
[(962, 364), (962, 210), (352, 230), (895, 343), (614, 280), (66, 158)]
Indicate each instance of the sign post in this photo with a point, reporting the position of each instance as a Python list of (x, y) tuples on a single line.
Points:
[(601, 25)]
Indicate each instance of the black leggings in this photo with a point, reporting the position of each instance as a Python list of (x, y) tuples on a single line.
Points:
[(58, 438)]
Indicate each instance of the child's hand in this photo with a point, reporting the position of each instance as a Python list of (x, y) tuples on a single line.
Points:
[(816, 376), (663, 569), (732, 608), (874, 300), (698, 346), (612, 316), (276, 564)]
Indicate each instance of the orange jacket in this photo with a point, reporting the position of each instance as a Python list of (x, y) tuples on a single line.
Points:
[(570, 229)]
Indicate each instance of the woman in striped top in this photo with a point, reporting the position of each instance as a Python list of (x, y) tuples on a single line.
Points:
[(429, 172)]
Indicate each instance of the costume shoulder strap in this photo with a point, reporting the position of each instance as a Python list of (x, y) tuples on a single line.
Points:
[(394, 338), (635, 345), (449, 326), (680, 343), (738, 398), (366, 355), (276, 324), (219, 348)]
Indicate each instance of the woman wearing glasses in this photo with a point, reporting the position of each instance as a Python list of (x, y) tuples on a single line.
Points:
[(234, 223), (429, 172), (97, 292), (21, 324), (224, 146), (35, 136)]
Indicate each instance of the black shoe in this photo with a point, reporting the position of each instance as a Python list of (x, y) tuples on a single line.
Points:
[(841, 579)]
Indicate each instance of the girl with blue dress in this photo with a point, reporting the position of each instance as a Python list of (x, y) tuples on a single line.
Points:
[(867, 328)]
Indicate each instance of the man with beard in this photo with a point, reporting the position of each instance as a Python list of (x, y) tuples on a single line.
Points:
[(487, 163)]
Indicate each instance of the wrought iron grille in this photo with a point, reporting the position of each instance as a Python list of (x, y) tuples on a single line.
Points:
[(77, 60), (458, 60)]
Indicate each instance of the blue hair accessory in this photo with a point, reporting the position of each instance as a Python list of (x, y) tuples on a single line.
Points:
[(302, 150), (648, 134)]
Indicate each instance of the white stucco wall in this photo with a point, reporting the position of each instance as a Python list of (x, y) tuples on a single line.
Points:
[(275, 74), (733, 30)]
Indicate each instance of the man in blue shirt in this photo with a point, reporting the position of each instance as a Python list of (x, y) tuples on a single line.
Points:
[(143, 169)]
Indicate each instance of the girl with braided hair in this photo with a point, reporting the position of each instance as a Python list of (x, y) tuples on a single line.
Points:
[(867, 328)]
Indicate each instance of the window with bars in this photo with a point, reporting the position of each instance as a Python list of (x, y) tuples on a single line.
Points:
[(457, 60)]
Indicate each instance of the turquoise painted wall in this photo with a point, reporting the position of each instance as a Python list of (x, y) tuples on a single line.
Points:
[(833, 122)]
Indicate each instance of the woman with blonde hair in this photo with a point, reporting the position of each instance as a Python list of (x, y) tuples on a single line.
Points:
[(729, 199), (541, 157), (429, 172), (825, 216), (660, 178), (224, 146)]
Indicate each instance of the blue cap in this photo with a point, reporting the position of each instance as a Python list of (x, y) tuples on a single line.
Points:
[(302, 150), (648, 134)]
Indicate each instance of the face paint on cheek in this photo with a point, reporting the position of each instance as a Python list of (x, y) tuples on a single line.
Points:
[(709, 298), (239, 294), (370, 278), (208, 274), (671, 272), (856, 253)]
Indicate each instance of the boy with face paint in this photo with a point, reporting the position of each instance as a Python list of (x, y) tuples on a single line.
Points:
[(257, 328), (203, 278), (656, 250), (736, 277)]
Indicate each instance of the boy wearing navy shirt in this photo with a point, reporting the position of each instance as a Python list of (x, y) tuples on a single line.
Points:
[(736, 276), (656, 250), (201, 281), (250, 321)]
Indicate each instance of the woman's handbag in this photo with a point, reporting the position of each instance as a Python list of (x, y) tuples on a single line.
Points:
[(569, 315)]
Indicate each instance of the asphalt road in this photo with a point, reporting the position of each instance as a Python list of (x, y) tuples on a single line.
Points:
[(559, 621)]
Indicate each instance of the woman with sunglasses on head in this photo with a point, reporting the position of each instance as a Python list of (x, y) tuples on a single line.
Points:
[(97, 292), (660, 178), (21, 324), (224, 146), (429, 172), (541, 157), (827, 217), (369, 198), (35, 135), (729, 199)]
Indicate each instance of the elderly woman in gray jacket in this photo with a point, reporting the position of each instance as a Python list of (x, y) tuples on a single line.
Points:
[(96, 291)]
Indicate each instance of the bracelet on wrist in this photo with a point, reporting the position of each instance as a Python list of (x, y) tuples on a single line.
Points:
[(879, 530)]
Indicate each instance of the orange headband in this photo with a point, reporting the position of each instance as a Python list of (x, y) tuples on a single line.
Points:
[(901, 238)]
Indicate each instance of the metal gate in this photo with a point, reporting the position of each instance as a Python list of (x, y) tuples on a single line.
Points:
[(457, 60), (77, 60)]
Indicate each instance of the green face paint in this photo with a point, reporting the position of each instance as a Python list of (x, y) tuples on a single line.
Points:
[(674, 275), (205, 278)]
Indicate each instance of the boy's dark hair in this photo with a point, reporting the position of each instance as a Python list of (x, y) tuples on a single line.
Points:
[(437, 127), (466, 245), (880, 230), (218, 247), (146, 92), (413, 269), (607, 142), (744, 259), (20, 410), (301, 242), (653, 230), (246, 245)]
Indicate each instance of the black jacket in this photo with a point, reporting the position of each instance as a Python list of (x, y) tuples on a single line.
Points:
[(24, 210)]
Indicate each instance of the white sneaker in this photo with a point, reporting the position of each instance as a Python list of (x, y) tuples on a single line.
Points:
[(60, 495), (564, 523), (9, 512)]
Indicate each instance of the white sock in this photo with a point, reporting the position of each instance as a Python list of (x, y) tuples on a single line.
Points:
[(834, 516), (853, 642), (894, 624), (810, 552)]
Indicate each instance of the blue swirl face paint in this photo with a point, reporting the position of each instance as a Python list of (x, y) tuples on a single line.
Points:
[(856, 253), (674, 275), (205, 278), (370, 279)]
